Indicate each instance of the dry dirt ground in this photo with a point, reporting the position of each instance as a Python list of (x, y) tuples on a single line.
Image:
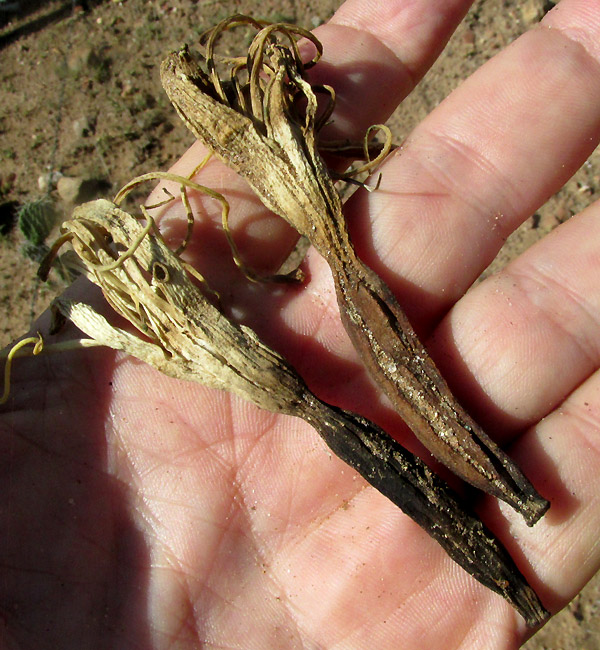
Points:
[(80, 96)]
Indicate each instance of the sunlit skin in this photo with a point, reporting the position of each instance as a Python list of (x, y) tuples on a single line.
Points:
[(140, 511)]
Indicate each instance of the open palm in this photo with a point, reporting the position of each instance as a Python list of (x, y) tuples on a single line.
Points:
[(141, 511)]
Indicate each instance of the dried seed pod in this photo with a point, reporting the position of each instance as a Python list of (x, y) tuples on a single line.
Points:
[(186, 336), (253, 123)]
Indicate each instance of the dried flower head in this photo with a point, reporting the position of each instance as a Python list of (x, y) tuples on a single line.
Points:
[(184, 335), (260, 116)]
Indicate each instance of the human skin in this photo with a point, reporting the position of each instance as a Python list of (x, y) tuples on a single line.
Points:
[(141, 511)]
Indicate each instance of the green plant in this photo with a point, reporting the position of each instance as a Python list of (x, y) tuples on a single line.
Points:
[(36, 219)]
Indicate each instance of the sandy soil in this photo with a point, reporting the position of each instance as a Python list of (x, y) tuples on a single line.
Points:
[(81, 96)]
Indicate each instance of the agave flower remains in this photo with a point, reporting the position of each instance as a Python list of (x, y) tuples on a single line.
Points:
[(182, 333), (261, 118)]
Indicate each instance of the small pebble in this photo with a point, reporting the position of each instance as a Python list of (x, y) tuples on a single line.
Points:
[(47, 182), (69, 188)]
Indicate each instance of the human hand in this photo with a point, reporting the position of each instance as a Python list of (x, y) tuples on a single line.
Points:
[(149, 511)]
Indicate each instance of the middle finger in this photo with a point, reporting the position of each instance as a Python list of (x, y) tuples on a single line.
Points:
[(482, 162)]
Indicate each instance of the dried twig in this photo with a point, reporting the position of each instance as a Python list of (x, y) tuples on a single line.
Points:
[(253, 120)]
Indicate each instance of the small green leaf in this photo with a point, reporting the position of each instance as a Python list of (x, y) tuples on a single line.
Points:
[(36, 220)]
